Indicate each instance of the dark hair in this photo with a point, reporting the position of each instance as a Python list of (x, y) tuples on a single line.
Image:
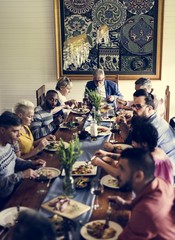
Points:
[(140, 159), (144, 132), (143, 81), (8, 119), (51, 92), (33, 226), (149, 98), (63, 82)]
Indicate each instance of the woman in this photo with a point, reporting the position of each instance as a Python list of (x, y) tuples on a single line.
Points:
[(28, 147)]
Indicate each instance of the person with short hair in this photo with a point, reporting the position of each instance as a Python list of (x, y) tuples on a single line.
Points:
[(12, 168), (153, 208), (28, 147), (108, 90), (43, 123), (31, 225)]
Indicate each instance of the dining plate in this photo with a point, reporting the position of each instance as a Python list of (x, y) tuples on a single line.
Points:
[(54, 146), (80, 111), (9, 215), (46, 173), (118, 229), (72, 210), (109, 181), (102, 130), (81, 168), (103, 119), (69, 125)]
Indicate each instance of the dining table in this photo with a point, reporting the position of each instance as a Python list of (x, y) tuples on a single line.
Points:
[(28, 194)]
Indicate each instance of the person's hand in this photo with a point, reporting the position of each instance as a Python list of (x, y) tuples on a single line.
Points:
[(101, 153), (123, 130), (97, 161), (42, 144), (110, 99), (29, 173), (108, 146), (51, 137), (121, 102), (117, 200), (121, 119), (39, 163)]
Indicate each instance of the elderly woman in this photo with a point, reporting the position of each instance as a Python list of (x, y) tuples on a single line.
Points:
[(28, 147)]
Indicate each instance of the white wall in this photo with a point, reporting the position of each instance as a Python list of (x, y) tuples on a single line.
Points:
[(27, 52)]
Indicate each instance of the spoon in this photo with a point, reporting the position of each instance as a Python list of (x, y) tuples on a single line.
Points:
[(48, 184)]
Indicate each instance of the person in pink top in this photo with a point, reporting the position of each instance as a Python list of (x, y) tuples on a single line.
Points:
[(153, 208)]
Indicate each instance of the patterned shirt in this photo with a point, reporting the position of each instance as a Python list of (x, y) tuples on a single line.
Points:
[(42, 124)]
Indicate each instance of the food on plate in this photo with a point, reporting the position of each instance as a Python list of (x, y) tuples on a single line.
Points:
[(97, 230), (102, 130), (71, 124), (53, 145), (81, 182), (44, 173), (83, 169), (113, 182), (60, 203)]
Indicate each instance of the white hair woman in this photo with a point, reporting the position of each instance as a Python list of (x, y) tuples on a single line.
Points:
[(28, 147)]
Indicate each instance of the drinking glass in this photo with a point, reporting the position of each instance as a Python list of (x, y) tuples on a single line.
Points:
[(96, 189), (110, 115), (114, 130)]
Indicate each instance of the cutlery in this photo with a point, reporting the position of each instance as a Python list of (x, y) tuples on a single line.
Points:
[(108, 215), (48, 184)]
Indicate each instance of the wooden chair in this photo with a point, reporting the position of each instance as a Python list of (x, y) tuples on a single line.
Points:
[(167, 104), (40, 95)]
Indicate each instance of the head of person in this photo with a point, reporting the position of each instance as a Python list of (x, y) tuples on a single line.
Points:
[(25, 110), (144, 134), (64, 86), (33, 226), (143, 83), (99, 77), (135, 169), (51, 99), (143, 103), (10, 126)]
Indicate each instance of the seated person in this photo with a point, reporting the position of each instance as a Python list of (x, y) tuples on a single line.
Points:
[(43, 123), (145, 83), (31, 225), (107, 89), (28, 147), (145, 136), (12, 169), (153, 208)]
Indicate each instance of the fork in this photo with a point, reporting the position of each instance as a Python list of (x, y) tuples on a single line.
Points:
[(108, 215)]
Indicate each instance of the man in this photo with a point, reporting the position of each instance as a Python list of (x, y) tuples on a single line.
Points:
[(153, 208), (43, 123), (145, 83), (107, 89), (12, 169)]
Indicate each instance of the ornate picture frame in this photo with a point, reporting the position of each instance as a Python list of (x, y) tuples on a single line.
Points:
[(135, 33)]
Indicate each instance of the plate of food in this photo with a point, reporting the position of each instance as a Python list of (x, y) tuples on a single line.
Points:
[(109, 181), (9, 215), (46, 173), (65, 207), (54, 146), (80, 111), (95, 230), (81, 168), (102, 130), (69, 125), (81, 182)]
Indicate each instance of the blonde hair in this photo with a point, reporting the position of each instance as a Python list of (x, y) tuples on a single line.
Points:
[(63, 82), (23, 106)]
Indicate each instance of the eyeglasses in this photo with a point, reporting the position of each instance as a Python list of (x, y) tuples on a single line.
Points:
[(138, 106), (98, 81)]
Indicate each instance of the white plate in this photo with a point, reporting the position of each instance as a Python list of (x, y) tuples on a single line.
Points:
[(104, 133), (92, 168), (103, 119), (48, 173), (109, 181), (114, 225), (80, 111), (9, 215), (56, 147)]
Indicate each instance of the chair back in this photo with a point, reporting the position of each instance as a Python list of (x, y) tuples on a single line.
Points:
[(40, 95), (167, 104)]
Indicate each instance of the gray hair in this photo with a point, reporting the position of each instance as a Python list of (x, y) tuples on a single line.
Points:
[(23, 106), (98, 72), (144, 83)]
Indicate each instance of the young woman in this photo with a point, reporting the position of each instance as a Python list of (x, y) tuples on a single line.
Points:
[(28, 147)]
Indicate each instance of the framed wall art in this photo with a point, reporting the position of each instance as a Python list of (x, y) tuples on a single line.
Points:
[(124, 37)]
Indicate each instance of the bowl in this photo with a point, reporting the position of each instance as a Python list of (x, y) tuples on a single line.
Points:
[(83, 134)]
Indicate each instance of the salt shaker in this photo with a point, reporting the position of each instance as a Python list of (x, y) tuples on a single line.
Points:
[(93, 130)]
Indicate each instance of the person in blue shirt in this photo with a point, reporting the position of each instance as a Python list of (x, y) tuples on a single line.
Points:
[(108, 90)]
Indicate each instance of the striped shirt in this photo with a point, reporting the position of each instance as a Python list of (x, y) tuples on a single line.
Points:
[(42, 124)]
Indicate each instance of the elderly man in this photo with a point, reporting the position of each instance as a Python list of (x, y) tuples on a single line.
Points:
[(153, 208), (107, 89), (43, 123), (12, 169)]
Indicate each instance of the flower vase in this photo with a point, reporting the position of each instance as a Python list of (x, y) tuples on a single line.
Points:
[(97, 116), (68, 184)]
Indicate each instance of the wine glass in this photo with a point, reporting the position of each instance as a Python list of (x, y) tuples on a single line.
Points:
[(96, 189), (110, 115), (114, 130)]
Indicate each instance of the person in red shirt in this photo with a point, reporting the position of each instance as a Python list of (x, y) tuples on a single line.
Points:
[(153, 208)]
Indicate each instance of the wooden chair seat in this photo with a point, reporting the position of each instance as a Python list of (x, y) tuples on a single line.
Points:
[(40, 95)]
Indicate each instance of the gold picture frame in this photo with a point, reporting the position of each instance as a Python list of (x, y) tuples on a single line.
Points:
[(155, 75)]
